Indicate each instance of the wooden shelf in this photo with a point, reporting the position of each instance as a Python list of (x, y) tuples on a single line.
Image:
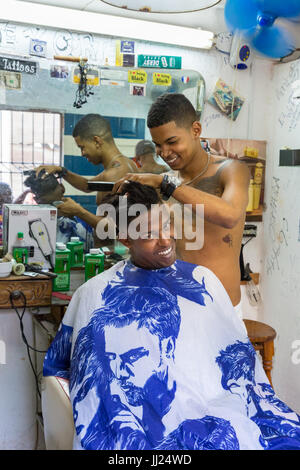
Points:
[(255, 215), (37, 291), (255, 278)]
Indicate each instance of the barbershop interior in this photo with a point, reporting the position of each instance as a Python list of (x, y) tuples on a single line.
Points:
[(64, 60)]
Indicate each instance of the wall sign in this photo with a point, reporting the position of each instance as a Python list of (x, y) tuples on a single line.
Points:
[(137, 76), (16, 65), (164, 79), (38, 47), (92, 77), (159, 61), (127, 47)]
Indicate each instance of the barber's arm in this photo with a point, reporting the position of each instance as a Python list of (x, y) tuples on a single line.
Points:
[(224, 211), (70, 208)]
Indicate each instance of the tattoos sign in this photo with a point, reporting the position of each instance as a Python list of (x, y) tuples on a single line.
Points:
[(16, 65)]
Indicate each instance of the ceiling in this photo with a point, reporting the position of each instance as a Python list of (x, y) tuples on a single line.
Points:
[(211, 19)]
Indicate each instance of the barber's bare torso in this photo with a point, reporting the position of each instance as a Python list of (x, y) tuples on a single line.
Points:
[(221, 246)]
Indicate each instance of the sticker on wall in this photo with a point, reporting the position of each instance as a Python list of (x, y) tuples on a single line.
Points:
[(226, 99), (137, 90), (16, 65), (127, 47), (11, 80), (38, 48), (59, 71), (164, 79), (107, 81), (159, 61), (128, 60), (185, 79), (114, 74), (93, 76), (137, 76)]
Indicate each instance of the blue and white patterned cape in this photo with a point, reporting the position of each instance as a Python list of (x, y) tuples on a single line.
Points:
[(158, 359)]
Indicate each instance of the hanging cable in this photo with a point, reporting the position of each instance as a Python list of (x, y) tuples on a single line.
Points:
[(83, 90), (13, 296)]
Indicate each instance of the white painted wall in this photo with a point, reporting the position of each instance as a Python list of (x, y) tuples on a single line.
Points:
[(281, 247), (267, 114)]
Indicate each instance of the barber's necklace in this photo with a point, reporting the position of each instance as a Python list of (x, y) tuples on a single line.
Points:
[(202, 172)]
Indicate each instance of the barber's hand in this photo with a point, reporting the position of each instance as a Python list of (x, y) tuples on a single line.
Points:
[(143, 178), (49, 169), (20, 199), (69, 207)]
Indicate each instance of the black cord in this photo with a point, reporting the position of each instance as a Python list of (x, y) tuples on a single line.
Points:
[(28, 347)]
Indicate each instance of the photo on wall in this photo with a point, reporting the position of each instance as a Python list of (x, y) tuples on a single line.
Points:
[(226, 100), (59, 71)]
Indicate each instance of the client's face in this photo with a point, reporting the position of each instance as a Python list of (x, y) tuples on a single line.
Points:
[(153, 246)]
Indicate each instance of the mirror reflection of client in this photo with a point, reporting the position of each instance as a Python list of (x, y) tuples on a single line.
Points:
[(48, 190)]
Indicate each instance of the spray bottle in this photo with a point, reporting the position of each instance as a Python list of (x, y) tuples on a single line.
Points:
[(20, 251), (94, 263), (76, 248), (62, 268)]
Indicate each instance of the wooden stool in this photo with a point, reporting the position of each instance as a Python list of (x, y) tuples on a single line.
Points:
[(262, 338)]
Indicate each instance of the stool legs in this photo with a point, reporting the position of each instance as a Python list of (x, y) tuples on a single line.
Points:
[(267, 353)]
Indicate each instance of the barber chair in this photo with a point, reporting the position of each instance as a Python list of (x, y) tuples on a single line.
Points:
[(57, 414)]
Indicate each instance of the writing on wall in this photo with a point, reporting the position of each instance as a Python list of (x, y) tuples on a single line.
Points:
[(277, 229), (289, 116), (59, 42)]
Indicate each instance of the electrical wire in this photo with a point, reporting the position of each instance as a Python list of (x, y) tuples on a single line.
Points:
[(28, 347)]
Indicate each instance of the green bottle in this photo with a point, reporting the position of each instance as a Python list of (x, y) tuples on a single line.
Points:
[(94, 263), (20, 251), (76, 248), (62, 268)]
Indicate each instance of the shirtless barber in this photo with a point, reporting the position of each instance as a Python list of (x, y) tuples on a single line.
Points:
[(220, 184)]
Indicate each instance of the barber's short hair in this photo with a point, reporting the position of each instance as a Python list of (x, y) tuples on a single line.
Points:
[(93, 125), (143, 147), (136, 193), (172, 107)]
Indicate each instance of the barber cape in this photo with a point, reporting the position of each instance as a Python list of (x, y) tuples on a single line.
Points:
[(158, 359)]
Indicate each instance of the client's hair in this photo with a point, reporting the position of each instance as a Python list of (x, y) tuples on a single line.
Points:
[(135, 193), (41, 186)]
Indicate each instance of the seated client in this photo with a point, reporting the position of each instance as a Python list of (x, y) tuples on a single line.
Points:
[(155, 355)]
